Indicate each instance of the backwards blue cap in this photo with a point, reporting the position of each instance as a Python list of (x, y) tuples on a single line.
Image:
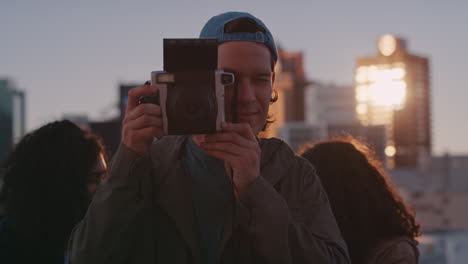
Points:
[(214, 28)]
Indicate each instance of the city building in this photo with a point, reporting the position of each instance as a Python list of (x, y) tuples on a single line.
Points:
[(439, 195), (440, 211), (330, 104), (123, 97), (290, 83), (393, 89), (331, 108), (446, 173), (110, 130), (444, 247), (12, 116), (110, 133), (292, 63), (452, 171), (299, 134)]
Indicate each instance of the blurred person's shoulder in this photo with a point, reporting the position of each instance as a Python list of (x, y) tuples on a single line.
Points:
[(400, 249)]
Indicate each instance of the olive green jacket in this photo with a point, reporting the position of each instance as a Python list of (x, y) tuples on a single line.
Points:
[(143, 213)]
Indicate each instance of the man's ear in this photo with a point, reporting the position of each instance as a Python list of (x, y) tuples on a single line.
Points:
[(273, 76)]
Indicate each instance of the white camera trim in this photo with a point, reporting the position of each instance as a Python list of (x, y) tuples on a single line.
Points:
[(162, 97)]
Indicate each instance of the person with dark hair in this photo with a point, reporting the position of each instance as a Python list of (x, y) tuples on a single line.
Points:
[(50, 178), (376, 224), (227, 197)]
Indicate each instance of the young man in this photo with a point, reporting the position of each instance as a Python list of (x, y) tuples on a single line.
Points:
[(172, 201)]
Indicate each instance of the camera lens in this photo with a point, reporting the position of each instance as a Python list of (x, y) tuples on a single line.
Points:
[(192, 109), (191, 103), (195, 107)]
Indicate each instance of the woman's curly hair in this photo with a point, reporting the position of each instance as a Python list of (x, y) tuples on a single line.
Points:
[(367, 207), (45, 184)]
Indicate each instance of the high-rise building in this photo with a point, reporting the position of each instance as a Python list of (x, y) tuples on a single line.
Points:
[(300, 134), (12, 116), (292, 63), (109, 132), (393, 89), (330, 104), (331, 108), (290, 85), (123, 97)]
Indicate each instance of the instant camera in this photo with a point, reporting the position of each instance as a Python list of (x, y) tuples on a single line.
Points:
[(191, 93)]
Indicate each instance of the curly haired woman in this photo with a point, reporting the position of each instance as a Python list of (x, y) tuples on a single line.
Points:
[(376, 224), (50, 179)]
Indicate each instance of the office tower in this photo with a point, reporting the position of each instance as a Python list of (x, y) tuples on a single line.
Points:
[(393, 89), (12, 116)]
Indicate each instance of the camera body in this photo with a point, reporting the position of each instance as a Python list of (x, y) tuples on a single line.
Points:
[(192, 102), (191, 89)]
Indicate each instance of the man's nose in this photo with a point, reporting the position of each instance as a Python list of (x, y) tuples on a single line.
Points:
[(245, 91)]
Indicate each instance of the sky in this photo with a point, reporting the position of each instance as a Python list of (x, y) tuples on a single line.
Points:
[(70, 56)]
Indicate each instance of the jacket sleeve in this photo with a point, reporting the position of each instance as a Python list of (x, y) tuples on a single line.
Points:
[(115, 212), (402, 252), (296, 226)]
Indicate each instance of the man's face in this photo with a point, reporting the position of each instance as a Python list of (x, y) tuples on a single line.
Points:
[(251, 64)]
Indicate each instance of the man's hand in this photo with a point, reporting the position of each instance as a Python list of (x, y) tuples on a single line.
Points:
[(141, 122), (239, 148)]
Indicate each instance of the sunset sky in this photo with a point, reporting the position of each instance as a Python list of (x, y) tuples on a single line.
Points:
[(70, 56)]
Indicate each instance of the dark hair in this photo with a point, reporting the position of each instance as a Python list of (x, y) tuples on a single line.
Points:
[(45, 185), (248, 25), (367, 207)]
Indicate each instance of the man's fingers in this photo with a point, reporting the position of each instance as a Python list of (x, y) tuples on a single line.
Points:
[(145, 121), (135, 93), (143, 109), (222, 155), (142, 122), (230, 137), (148, 132), (243, 129), (226, 147)]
